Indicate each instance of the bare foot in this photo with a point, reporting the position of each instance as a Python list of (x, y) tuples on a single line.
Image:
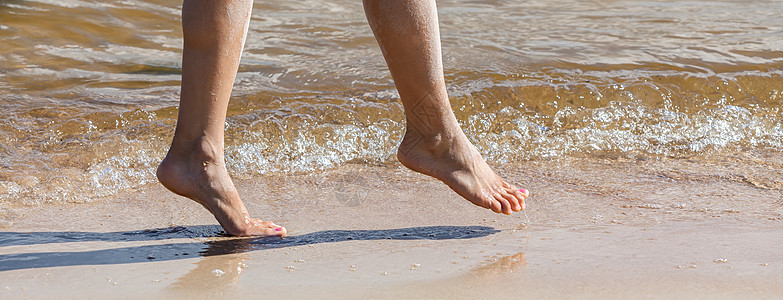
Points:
[(451, 158), (199, 173)]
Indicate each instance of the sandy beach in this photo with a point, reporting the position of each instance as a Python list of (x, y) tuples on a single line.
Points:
[(594, 228)]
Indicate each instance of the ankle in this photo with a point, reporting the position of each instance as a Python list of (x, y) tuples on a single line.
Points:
[(431, 142), (201, 149), (207, 151)]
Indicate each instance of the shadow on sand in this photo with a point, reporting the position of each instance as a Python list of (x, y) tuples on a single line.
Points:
[(216, 245)]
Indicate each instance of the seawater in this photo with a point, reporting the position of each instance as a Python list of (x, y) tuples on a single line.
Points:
[(90, 88)]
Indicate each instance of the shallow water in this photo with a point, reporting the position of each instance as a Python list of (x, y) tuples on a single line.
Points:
[(91, 88)]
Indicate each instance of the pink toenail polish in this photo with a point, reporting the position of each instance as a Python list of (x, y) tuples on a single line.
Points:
[(523, 191), (279, 229)]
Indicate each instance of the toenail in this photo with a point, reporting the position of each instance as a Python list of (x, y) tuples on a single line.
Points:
[(279, 229), (523, 191)]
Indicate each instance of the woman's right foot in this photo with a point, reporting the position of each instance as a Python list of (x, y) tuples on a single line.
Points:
[(199, 173), (451, 158)]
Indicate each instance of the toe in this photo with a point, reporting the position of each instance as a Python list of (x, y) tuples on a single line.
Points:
[(277, 231), (519, 196), (525, 193), (512, 199), (495, 205), (256, 227), (271, 231), (522, 195), (505, 205)]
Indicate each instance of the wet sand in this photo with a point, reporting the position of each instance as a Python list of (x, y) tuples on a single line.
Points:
[(598, 228)]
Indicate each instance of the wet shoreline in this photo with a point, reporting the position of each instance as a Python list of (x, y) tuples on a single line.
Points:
[(603, 227)]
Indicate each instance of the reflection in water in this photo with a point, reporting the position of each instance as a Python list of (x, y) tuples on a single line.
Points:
[(217, 272), (501, 266), (504, 275)]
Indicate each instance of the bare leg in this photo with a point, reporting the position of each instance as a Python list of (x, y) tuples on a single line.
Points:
[(434, 144), (214, 32)]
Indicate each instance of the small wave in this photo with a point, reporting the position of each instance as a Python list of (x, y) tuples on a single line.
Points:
[(63, 155)]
